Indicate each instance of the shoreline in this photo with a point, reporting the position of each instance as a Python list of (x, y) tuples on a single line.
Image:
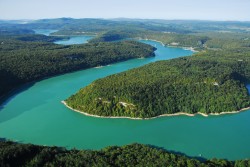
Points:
[(163, 115), (146, 39), (6, 96), (182, 47), (156, 41)]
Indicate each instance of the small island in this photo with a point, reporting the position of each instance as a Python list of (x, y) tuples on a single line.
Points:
[(206, 83)]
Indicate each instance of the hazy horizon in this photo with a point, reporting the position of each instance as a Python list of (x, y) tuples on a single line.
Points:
[(208, 10), (126, 18)]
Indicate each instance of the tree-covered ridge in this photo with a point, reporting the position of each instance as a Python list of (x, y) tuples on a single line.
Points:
[(30, 57), (210, 82), (120, 34), (114, 35), (69, 26), (101, 25), (198, 34), (198, 41), (7, 30), (38, 38), (171, 39), (14, 154)]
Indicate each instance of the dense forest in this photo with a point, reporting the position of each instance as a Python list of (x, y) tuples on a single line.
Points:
[(25, 58), (202, 83), (209, 82), (170, 39), (30, 57), (14, 154), (198, 41), (69, 26), (180, 33)]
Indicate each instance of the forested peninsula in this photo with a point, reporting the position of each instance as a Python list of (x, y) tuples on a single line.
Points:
[(210, 82), (15, 154), (28, 57)]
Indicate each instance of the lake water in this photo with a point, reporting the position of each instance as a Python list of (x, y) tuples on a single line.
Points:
[(74, 40), (36, 115), (44, 32)]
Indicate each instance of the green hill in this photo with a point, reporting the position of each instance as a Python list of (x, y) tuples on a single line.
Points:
[(209, 82)]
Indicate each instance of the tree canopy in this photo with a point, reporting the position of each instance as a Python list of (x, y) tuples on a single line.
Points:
[(14, 154), (26, 58), (208, 82)]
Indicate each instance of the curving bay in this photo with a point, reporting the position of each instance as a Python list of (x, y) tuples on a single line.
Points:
[(36, 115)]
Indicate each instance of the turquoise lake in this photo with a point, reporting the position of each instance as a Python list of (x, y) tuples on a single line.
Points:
[(74, 40), (44, 32), (36, 115)]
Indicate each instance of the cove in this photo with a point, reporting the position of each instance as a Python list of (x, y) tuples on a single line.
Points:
[(44, 31), (74, 40), (70, 41), (36, 115)]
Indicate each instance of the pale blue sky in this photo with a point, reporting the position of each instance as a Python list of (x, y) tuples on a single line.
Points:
[(152, 9)]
